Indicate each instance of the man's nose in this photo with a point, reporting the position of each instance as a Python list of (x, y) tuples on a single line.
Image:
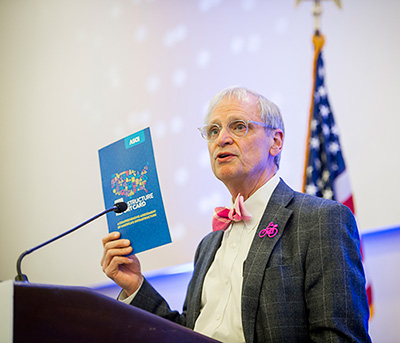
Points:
[(224, 137)]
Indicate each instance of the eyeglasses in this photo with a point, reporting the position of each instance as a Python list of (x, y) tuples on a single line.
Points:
[(236, 128)]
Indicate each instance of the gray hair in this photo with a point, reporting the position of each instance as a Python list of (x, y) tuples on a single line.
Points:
[(268, 111)]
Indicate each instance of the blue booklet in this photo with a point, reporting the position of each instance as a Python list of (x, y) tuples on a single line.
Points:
[(129, 174)]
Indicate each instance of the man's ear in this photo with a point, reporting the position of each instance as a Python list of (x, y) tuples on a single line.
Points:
[(277, 136)]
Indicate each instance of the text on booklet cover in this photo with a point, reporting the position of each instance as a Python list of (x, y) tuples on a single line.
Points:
[(129, 174)]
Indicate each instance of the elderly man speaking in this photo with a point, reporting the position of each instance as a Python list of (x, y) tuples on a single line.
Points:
[(279, 266)]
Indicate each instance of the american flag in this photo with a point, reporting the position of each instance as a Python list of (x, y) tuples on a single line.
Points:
[(325, 171)]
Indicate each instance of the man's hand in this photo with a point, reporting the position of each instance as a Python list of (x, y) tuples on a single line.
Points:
[(123, 270)]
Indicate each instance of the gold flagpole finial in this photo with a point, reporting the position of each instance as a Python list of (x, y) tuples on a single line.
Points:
[(317, 11), (337, 2)]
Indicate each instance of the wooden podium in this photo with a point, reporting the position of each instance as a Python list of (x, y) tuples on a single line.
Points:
[(47, 313)]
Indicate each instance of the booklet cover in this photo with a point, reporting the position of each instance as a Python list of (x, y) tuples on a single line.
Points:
[(128, 173)]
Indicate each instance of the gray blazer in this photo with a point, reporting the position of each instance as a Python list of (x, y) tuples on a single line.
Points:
[(304, 284)]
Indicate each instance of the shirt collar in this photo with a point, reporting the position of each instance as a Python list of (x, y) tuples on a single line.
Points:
[(258, 201)]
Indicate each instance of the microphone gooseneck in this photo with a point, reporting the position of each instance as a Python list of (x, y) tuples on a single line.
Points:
[(120, 207), (117, 208)]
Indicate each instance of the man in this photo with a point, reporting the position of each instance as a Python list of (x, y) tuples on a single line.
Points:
[(285, 267)]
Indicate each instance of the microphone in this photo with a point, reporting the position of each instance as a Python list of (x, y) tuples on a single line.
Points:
[(118, 207)]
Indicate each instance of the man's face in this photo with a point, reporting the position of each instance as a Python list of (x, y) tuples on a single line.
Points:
[(245, 159)]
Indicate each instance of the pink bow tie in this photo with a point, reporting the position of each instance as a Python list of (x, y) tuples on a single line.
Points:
[(224, 216)]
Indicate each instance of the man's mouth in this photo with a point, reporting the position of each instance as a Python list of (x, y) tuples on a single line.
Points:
[(224, 155)]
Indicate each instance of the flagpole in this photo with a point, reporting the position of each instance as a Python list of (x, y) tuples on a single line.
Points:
[(346, 197), (318, 41)]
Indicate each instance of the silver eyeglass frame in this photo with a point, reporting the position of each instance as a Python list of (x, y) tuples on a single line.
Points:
[(203, 130)]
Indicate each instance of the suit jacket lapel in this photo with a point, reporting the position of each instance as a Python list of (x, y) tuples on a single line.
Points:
[(259, 254)]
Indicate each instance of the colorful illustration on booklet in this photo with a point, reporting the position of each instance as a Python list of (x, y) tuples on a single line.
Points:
[(129, 182)]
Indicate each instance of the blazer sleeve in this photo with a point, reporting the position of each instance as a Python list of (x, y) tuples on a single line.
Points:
[(150, 300), (334, 278)]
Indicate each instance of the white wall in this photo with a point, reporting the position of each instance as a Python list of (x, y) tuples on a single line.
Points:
[(382, 249), (78, 75)]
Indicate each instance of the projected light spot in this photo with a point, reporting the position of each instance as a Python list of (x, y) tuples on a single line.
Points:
[(141, 33), (145, 117), (175, 35), (206, 5), (204, 159), (159, 130), (207, 203), (254, 44), (140, 119), (281, 25), (178, 232), (179, 78), (176, 125), (248, 5), (116, 11), (203, 58), (237, 45), (181, 176), (153, 84)]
